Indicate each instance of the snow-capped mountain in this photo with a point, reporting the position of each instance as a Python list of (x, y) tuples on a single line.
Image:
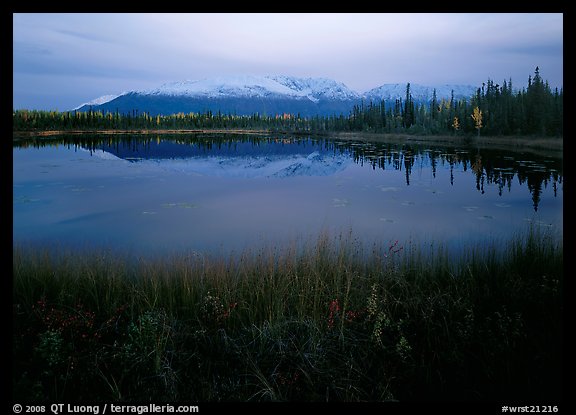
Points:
[(226, 87), (314, 89), (269, 95)]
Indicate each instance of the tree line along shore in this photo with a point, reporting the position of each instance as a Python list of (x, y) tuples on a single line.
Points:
[(495, 110)]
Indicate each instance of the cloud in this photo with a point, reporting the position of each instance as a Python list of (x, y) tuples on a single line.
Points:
[(29, 48), (363, 50), (85, 36)]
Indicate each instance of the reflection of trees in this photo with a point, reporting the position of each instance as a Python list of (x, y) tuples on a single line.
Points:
[(534, 181), (478, 168), (490, 167), (493, 167), (408, 163), (178, 145)]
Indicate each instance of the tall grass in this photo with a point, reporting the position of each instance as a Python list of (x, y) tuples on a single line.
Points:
[(331, 320)]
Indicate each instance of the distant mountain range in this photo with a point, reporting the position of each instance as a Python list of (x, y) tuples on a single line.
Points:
[(270, 95)]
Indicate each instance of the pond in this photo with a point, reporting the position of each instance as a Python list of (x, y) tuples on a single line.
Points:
[(221, 194)]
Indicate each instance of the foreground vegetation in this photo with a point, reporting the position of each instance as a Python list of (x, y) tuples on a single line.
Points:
[(330, 321)]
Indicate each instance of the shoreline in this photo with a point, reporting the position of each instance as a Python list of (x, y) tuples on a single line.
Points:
[(295, 320), (507, 142)]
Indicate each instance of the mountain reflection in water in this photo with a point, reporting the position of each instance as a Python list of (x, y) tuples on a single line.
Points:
[(216, 190), (240, 155)]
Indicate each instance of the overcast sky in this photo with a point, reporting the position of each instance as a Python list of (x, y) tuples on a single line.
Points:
[(63, 60)]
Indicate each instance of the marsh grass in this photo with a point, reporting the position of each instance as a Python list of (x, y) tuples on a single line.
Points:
[(328, 320)]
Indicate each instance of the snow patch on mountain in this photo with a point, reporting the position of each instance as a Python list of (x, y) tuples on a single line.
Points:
[(98, 101), (225, 87), (249, 86), (318, 88)]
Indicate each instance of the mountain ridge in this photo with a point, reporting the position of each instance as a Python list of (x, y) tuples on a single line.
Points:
[(270, 94)]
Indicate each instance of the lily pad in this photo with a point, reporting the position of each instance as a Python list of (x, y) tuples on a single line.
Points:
[(340, 202), (184, 205), (24, 199), (389, 188), (434, 191)]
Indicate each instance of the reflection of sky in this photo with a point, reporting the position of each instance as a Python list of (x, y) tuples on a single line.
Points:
[(71, 196)]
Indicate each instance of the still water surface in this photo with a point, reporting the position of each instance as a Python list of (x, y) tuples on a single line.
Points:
[(227, 193)]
